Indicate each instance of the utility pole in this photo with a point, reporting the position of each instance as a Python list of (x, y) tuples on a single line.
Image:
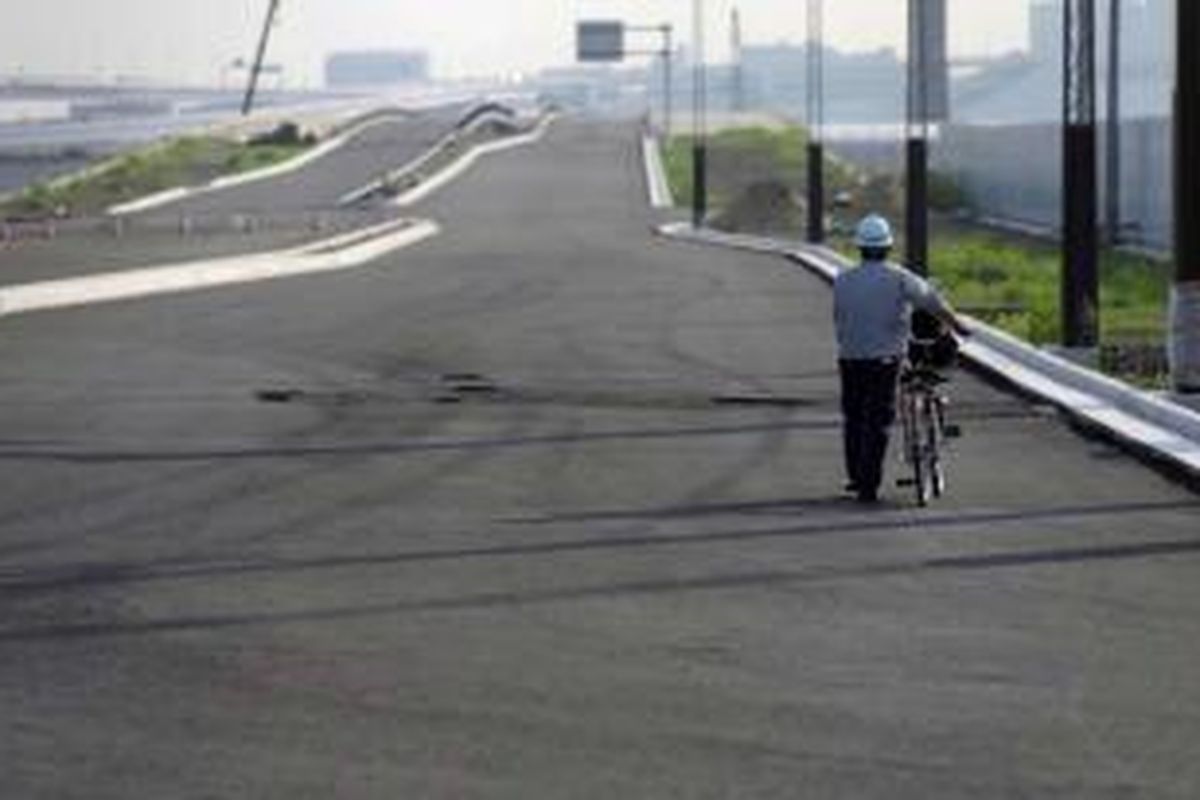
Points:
[(256, 68), (668, 53), (815, 115), (699, 123), (916, 151), (1185, 296), (928, 100), (1080, 293), (738, 100), (1112, 188)]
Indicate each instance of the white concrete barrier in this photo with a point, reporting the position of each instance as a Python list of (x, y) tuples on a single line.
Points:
[(464, 162), (656, 178), (337, 253)]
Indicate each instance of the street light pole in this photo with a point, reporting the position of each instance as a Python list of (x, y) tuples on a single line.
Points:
[(1185, 296), (916, 206), (737, 100), (1112, 188), (815, 113), (928, 102), (1080, 259), (256, 68), (667, 55), (699, 124)]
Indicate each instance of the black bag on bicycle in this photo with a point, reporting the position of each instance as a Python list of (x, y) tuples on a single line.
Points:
[(932, 345)]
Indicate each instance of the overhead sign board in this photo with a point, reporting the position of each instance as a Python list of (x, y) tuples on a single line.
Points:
[(600, 40)]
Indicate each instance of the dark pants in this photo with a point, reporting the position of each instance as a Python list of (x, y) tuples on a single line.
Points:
[(868, 411)]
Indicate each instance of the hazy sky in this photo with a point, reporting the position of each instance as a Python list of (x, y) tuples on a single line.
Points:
[(189, 40)]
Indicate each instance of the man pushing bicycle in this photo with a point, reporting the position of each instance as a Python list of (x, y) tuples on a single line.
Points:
[(872, 309)]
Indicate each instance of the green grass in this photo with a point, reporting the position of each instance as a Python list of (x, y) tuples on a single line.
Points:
[(988, 272), (245, 158), (186, 161), (737, 158), (982, 273)]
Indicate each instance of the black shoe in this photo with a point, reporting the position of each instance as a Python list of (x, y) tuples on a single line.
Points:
[(850, 488), (868, 496)]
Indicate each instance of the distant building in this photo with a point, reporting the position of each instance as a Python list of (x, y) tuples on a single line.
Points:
[(859, 87), (595, 87), (1144, 26), (375, 68), (1029, 88), (1045, 30)]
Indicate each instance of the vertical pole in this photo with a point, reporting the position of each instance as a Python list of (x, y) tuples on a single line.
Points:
[(816, 113), (916, 221), (667, 85), (737, 100), (256, 68), (1080, 293), (816, 193), (1112, 188), (699, 100), (1185, 296), (916, 213)]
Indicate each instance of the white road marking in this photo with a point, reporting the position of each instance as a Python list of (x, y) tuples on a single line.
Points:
[(342, 252)]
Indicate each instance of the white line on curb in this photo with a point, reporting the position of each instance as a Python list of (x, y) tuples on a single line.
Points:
[(465, 162), (341, 252), (355, 195)]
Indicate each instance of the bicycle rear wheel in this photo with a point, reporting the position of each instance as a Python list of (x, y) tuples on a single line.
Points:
[(915, 442)]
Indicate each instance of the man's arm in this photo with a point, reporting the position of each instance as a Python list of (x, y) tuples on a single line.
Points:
[(922, 295)]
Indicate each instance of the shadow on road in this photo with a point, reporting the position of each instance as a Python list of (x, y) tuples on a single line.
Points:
[(14, 451), (486, 601), (15, 581)]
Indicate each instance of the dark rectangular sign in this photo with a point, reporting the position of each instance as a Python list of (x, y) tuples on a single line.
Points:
[(600, 41)]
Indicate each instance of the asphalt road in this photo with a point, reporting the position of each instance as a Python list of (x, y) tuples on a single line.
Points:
[(502, 542)]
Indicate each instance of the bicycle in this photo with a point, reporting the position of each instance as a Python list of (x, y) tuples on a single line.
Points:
[(922, 411)]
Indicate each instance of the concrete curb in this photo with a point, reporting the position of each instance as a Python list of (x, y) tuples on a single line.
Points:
[(340, 252), (656, 179), (1144, 421)]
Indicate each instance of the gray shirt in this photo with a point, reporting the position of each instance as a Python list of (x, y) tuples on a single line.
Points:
[(872, 304)]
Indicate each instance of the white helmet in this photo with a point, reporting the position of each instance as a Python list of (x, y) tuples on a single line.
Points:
[(874, 232)]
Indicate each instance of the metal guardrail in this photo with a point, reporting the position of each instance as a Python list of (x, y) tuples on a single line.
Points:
[(316, 220)]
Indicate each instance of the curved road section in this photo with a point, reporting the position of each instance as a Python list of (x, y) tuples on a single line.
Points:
[(546, 507), (373, 149)]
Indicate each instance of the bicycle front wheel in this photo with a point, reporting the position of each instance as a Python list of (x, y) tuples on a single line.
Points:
[(933, 448)]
